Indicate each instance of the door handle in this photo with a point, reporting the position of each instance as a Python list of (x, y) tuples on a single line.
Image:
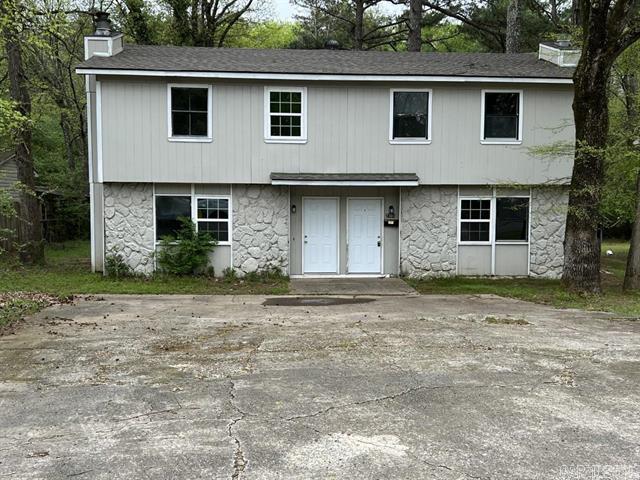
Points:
[(379, 243)]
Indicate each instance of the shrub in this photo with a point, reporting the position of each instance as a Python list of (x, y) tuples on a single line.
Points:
[(116, 267), (229, 274), (188, 252)]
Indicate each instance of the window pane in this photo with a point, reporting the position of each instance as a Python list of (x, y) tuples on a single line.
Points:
[(199, 124), (274, 96), (296, 97), (274, 107), (296, 108), (501, 111), (285, 97), (275, 131), (179, 123), (168, 210), (179, 98), (198, 99), (410, 114), (474, 231), (512, 218), (218, 230)]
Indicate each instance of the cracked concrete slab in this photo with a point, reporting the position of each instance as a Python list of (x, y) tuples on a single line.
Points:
[(402, 387)]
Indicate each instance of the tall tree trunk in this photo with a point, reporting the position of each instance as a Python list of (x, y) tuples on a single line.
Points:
[(137, 19), (632, 272), (514, 26), (414, 40), (591, 116), (358, 28), (29, 235)]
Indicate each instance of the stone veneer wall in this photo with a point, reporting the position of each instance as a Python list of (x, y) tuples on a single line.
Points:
[(428, 224), (548, 218), (260, 228), (128, 224)]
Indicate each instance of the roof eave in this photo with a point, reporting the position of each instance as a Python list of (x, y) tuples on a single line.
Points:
[(319, 76)]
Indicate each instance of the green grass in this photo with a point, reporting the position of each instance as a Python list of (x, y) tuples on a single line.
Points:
[(550, 292), (15, 308), (67, 272)]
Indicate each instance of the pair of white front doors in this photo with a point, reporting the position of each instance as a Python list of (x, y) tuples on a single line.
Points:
[(321, 235)]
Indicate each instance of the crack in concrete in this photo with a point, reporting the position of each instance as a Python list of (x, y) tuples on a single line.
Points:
[(393, 396), (239, 460)]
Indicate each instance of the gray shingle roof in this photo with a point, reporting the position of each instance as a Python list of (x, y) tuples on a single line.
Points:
[(327, 62)]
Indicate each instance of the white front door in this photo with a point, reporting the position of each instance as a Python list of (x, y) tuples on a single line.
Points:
[(320, 236), (364, 217)]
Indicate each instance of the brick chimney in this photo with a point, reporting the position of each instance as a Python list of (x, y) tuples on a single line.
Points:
[(104, 42)]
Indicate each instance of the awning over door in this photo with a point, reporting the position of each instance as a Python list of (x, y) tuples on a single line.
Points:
[(346, 179)]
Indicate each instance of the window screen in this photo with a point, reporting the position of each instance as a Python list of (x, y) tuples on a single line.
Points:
[(501, 115), (512, 219), (285, 114), (168, 211), (410, 115), (475, 220), (189, 111)]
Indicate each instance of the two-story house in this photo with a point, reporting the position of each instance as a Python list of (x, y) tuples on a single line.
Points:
[(330, 162)]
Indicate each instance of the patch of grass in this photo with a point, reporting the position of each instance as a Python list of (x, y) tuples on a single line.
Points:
[(68, 271), (16, 305), (550, 292), (506, 321)]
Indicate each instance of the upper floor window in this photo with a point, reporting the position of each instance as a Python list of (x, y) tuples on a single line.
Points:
[(285, 115), (410, 116), (501, 116), (189, 112)]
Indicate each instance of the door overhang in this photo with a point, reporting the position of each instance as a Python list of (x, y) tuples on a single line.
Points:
[(346, 179)]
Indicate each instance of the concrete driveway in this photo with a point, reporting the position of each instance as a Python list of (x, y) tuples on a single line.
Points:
[(436, 387)]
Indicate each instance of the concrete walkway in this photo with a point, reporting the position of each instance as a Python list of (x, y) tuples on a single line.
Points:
[(350, 286)]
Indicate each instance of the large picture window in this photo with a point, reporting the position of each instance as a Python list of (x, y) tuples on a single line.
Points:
[(169, 210), (285, 115), (189, 112), (501, 116), (410, 116), (210, 214), (512, 219)]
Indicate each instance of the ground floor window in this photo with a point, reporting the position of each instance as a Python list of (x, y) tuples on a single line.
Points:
[(488, 220), (210, 214)]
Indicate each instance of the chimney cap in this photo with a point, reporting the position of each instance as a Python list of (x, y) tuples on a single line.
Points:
[(102, 24), (332, 44)]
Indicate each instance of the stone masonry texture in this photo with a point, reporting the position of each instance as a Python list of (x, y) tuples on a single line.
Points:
[(428, 231), (260, 228), (548, 217), (128, 223)]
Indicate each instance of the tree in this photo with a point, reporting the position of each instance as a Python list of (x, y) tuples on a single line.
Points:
[(355, 24), (414, 40), (29, 234), (206, 23), (608, 29), (514, 26)]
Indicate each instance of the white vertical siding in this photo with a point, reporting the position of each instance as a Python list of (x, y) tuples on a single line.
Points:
[(348, 127)]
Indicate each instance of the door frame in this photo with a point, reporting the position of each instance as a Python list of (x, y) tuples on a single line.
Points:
[(314, 197), (381, 199)]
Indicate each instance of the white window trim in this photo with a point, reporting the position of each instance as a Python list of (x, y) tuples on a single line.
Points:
[(187, 138), (194, 211), (409, 140), (268, 138), (500, 141), (492, 220)]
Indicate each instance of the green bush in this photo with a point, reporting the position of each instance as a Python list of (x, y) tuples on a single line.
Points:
[(188, 252), (116, 267)]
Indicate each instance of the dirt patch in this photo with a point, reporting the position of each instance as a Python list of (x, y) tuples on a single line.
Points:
[(314, 301)]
